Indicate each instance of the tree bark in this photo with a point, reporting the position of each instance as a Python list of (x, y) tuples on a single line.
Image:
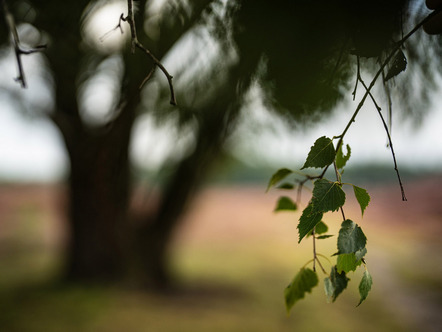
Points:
[(98, 192)]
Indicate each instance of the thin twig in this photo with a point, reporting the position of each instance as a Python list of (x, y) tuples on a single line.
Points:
[(18, 49), (314, 249), (358, 76), (118, 26), (147, 78), (390, 143), (135, 43), (165, 72), (320, 265), (404, 198), (378, 73), (315, 255), (390, 104)]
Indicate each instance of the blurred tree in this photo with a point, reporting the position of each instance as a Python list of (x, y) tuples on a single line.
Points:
[(99, 182), (298, 52)]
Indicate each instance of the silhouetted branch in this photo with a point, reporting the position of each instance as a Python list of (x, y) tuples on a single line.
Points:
[(118, 26), (135, 43), (18, 49), (372, 83), (358, 76), (390, 142)]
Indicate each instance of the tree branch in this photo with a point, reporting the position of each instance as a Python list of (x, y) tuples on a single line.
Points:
[(372, 83), (18, 49), (390, 142), (135, 43)]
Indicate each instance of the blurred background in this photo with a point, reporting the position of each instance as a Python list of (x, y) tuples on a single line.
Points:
[(119, 211)]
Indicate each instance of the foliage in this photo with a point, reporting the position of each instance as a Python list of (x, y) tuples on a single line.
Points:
[(303, 283), (329, 196), (285, 203)]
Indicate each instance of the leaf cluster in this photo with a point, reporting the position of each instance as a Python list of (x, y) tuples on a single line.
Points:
[(327, 196)]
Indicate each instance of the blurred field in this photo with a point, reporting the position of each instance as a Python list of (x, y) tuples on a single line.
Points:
[(232, 258)]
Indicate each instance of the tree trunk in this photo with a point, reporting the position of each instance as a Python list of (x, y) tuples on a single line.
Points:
[(214, 127), (100, 244), (156, 236), (99, 192)]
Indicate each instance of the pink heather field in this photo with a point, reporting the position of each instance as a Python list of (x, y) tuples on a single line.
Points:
[(232, 257)]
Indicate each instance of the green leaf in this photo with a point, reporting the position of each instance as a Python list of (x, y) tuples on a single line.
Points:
[(285, 204), (308, 221), (351, 238), (303, 283), (329, 289), (362, 196), (335, 284), (320, 228), (341, 159), (322, 237), (360, 253), (365, 286), (278, 176), (347, 263), (286, 186), (327, 196), (321, 154)]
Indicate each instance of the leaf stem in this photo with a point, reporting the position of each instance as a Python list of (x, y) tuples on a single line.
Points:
[(320, 265), (314, 249)]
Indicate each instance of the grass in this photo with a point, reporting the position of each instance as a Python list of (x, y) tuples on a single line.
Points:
[(232, 269)]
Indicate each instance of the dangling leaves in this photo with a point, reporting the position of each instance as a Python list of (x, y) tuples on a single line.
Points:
[(341, 159), (362, 197), (303, 283), (351, 238), (347, 262), (285, 204), (327, 196), (335, 284), (308, 221), (398, 66), (278, 176), (365, 286), (321, 154)]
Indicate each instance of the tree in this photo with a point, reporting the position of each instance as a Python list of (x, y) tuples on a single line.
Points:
[(297, 52), (99, 181)]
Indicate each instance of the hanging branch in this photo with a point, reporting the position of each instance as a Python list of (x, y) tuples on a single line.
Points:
[(135, 43), (390, 142), (329, 196), (372, 83), (18, 48)]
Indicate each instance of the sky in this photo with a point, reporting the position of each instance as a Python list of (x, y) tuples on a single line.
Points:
[(416, 145), (31, 149)]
